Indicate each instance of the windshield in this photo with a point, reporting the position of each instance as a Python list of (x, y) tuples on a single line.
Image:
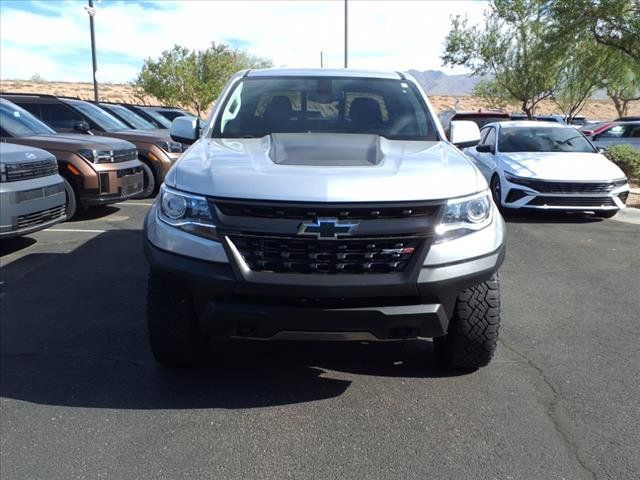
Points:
[(542, 139), (132, 118), (261, 106), (17, 122), (103, 119), (165, 122)]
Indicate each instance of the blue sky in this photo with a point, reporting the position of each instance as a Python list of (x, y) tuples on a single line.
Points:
[(51, 37)]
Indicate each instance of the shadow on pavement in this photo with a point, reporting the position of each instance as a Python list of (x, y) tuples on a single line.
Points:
[(12, 245), (72, 333), (95, 213)]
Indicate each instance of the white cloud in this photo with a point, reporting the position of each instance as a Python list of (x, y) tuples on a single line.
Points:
[(382, 34)]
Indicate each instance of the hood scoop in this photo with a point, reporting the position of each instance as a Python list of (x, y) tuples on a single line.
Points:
[(325, 149)]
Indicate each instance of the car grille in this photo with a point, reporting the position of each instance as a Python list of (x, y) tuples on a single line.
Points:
[(125, 155), (36, 218), (573, 202), (567, 187), (124, 172), (241, 208), (344, 256), (28, 170)]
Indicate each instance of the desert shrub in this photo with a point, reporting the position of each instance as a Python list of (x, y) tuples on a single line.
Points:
[(627, 158)]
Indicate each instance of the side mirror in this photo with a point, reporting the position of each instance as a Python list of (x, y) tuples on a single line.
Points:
[(464, 133), (486, 148), (185, 129), (82, 127)]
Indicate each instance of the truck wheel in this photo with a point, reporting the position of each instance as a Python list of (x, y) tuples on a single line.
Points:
[(473, 331), (496, 190), (149, 182), (73, 207), (176, 340), (606, 213)]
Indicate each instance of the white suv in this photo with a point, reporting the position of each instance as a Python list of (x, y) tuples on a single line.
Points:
[(324, 204)]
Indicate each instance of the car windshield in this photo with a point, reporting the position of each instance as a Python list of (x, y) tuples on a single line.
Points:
[(103, 119), (17, 122), (132, 118), (542, 139), (162, 120), (261, 106)]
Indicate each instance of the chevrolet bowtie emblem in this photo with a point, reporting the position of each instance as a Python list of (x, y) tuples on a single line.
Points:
[(326, 228)]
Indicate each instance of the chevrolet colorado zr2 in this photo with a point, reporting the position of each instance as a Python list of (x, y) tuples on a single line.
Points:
[(324, 205)]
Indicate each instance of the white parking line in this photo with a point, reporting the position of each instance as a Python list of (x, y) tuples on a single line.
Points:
[(135, 203), (72, 230)]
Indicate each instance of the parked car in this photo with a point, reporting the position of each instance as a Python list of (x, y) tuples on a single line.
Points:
[(346, 216), (518, 116), (617, 133), (156, 151), (128, 117), (95, 170), (479, 117), (547, 166), (627, 119), (551, 118), (170, 113), (32, 193), (594, 128), (160, 121)]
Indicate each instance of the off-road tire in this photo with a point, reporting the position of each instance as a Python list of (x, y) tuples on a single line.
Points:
[(472, 336), (606, 213), (73, 206), (149, 187), (174, 335)]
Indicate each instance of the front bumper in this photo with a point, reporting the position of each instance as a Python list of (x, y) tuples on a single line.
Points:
[(116, 182), (541, 195), (232, 301), (30, 205)]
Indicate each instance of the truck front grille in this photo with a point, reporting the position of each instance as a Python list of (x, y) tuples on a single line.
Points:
[(311, 256), (36, 218), (28, 170), (125, 155), (261, 209)]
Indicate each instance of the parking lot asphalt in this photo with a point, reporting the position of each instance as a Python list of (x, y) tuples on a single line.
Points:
[(81, 396)]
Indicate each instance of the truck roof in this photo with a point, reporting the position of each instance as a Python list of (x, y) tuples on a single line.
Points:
[(323, 72)]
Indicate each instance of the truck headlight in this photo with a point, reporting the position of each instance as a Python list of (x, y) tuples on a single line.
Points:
[(171, 147), (187, 212), (97, 156), (465, 215)]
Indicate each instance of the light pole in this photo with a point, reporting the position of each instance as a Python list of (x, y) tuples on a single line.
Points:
[(92, 11), (346, 55)]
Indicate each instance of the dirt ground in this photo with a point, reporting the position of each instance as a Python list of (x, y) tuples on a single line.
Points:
[(595, 109)]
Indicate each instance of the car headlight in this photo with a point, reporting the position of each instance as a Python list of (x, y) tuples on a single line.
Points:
[(465, 215), (96, 156), (187, 212), (171, 147)]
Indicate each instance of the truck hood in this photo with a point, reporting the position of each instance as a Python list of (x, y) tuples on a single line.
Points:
[(72, 142), (322, 171), (567, 166)]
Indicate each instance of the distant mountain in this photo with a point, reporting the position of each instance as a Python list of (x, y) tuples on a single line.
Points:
[(436, 82)]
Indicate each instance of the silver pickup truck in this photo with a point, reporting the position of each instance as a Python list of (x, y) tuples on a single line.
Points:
[(32, 195), (324, 204)]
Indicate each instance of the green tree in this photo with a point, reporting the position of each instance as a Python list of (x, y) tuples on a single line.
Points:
[(581, 73), (614, 23), (492, 95), (622, 82), (193, 78), (512, 47)]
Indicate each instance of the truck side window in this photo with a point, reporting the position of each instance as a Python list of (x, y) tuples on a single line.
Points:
[(59, 116)]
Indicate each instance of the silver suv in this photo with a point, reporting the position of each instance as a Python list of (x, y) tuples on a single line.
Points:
[(324, 204), (32, 195)]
